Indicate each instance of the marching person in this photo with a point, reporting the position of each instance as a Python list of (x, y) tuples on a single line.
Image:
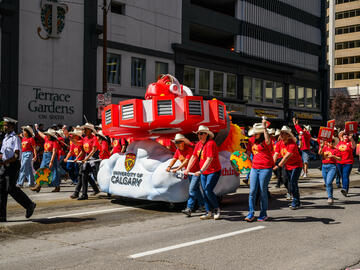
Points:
[(28, 155), (9, 161), (291, 159), (260, 146), (346, 147), (183, 153), (75, 154), (90, 146), (207, 154), (50, 158), (61, 152), (330, 156), (118, 146), (103, 145)]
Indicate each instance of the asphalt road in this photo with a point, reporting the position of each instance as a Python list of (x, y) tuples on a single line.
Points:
[(116, 233)]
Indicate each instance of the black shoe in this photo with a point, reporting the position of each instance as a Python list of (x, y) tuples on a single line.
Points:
[(74, 196), (96, 192), (83, 197), (187, 211), (30, 210), (2, 219), (344, 192)]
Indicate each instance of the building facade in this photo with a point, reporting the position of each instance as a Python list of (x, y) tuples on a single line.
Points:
[(259, 57), (343, 27)]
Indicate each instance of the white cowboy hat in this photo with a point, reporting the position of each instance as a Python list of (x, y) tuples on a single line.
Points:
[(28, 128), (76, 132), (277, 132), (180, 137), (341, 133), (60, 133), (89, 126), (308, 127), (9, 120), (251, 132), (205, 130), (258, 128), (99, 126), (51, 132), (286, 129), (101, 134), (271, 131)]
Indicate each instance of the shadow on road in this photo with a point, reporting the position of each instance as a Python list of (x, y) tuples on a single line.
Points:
[(328, 221), (46, 221)]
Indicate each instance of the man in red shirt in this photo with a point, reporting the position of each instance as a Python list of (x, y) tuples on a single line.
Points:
[(305, 138), (119, 146)]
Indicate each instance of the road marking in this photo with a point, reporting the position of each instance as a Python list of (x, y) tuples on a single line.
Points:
[(101, 211), (160, 250)]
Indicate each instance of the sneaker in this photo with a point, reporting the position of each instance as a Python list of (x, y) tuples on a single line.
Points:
[(74, 196), (305, 175), (288, 197), (217, 214), (246, 181), (250, 218), (30, 210), (95, 192), (262, 218), (302, 174), (83, 197), (292, 207), (187, 211), (344, 192), (208, 215), (19, 186), (330, 201)]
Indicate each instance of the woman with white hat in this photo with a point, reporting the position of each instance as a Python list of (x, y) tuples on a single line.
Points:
[(104, 152), (207, 154), (260, 147), (305, 138), (291, 159), (346, 146), (50, 159), (28, 155), (183, 153)]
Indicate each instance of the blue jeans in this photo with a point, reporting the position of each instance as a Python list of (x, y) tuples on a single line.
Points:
[(305, 154), (328, 173), (194, 192), (61, 171), (26, 170), (208, 183), (293, 176), (338, 182), (54, 169), (345, 170), (259, 178), (73, 170)]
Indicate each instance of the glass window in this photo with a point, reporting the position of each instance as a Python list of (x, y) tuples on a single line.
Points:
[(247, 83), (317, 98), (301, 96), (218, 84), (338, 76), (118, 8), (189, 77), (309, 98), (292, 96), (279, 93), (269, 91), (161, 68), (231, 85), (204, 82), (258, 89), (113, 67), (138, 72)]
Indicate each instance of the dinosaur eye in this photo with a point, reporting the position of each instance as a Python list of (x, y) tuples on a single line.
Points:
[(168, 83)]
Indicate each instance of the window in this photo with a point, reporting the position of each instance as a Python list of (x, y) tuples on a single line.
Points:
[(269, 91), (138, 72), (301, 97), (317, 98), (292, 96), (117, 7), (258, 87), (204, 82), (247, 83), (189, 77), (347, 29), (279, 87), (218, 84), (113, 67), (347, 14), (231, 86), (161, 68), (309, 98)]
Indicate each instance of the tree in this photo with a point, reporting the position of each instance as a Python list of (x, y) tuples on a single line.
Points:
[(342, 109), (355, 110)]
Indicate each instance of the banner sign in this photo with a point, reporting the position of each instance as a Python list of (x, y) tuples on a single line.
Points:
[(331, 124), (351, 127), (326, 133)]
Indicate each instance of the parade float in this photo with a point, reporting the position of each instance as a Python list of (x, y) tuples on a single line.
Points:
[(168, 108)]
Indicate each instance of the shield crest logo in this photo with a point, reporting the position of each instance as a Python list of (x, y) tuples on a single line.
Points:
[(129, 161)]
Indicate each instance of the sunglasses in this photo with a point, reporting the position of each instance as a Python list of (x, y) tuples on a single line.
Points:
[(178, 142), (201, 133)]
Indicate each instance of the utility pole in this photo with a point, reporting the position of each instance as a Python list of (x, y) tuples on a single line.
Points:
[(105, 11)]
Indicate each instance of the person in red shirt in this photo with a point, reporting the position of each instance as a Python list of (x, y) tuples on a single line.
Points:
[(50, 159), (291, 159), (330, 156), (75, 154), (90, 146), (183, 153), (28, 156), (63, 147), (103, 145), (260, 146), (346, 147), (166, 142), (118, 146), (206, 152)]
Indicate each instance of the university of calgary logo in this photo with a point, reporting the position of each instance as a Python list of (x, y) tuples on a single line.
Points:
[(342, 148), (129, 161), (52, 18)]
